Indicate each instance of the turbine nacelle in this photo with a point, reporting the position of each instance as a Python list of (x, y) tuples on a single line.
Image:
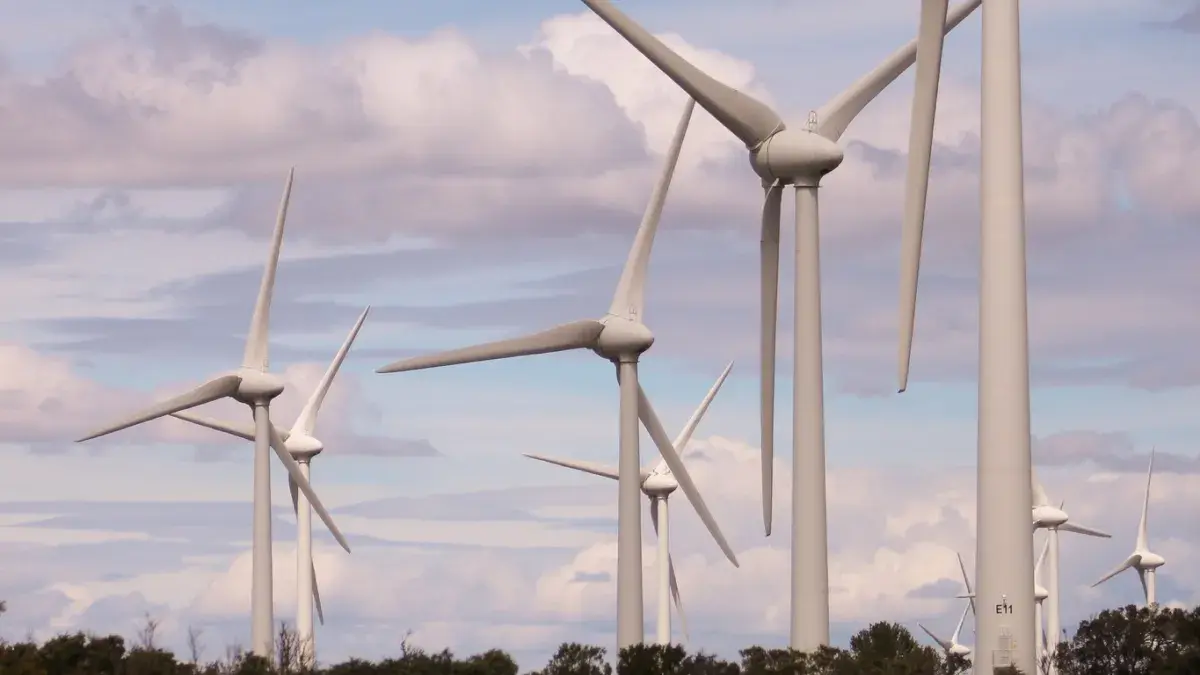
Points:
[(622, 338), (659, 485), (256, 387), (797, 157), (303, 446), (1048, 517), (1150, 561), (960, 650)]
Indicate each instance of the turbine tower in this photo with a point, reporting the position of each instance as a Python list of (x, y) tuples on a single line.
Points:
[(619, 337), (1005, 631), (302, 446), (952, 645), (657, 483), (1054, 520), (1040, 594), (252, 385), (1142, 559), (800, 157)]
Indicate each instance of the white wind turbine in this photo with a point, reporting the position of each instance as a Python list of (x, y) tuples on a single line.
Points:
[(952, 645), (1142, 559), (252, 385), (780, 156), (620, 337), (1054, 520), (302, 446), (657, 483), (1003, 494)]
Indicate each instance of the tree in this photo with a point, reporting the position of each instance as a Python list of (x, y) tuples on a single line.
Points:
[(573, 658), (1133, 641), (885, 648), (646, 659)]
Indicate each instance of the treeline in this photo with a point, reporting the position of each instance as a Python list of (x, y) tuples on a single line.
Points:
[(1128, 641)]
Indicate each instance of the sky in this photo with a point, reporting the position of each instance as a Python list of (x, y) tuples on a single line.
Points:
[(477, 170)]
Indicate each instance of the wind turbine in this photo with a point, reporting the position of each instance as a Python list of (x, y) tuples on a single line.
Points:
[(1054, 520), (620, 337), (952, 646), (1142, 559), (252, 385), (302, 446), (657, 483), (801, 156), (1003, 494), (1040, 594)]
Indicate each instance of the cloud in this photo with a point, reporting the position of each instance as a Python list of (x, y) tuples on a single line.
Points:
[(1189, 21), (1110, 451)]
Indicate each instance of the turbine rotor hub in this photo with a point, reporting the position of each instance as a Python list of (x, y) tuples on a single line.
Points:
[(1040, 593), (659, 485), (303, 446), (797, 157), (623, 339), (1151, 561), (257, 387), (1048, 517)]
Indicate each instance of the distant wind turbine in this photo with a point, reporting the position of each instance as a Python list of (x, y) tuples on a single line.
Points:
[(952, 645), (303, 446), (252, 385), (1142, 559), (622, 338), (657, 483), (1053, 520)]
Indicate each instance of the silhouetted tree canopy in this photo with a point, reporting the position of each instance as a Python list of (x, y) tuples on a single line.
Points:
[(1127, 641), (1133, 641)]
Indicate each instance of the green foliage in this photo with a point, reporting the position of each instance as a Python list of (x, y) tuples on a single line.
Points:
[(1133, 641), (1128, 641)]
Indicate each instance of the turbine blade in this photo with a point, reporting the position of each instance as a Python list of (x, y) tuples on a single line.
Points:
[(966, 582), (1037, 568), (958, 628), (218, 387), (293, 470), (630, 298), (245, 431), (835, 116), (1142, 535), (574, 335), (685, 436), (1039, 493), (769, 308), (317, 597), (257, 351), (940, 642), (1145, 589), (676, 597), (750, 120), (930, 39), (579, 465), (306, 421), (1080, 529), (295, 492), (1129, 562), (659, 436)]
